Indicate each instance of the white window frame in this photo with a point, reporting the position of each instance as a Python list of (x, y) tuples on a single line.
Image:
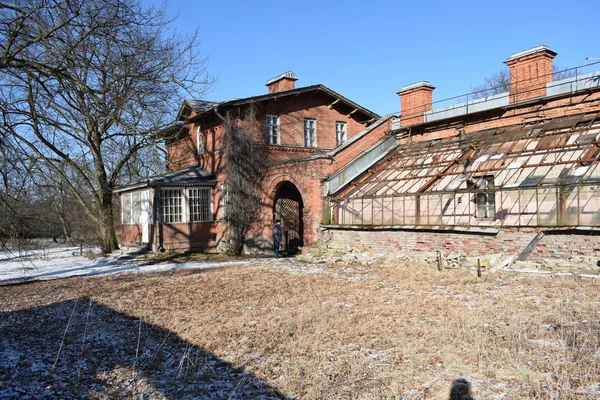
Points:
[(136, 207), (126, 209), (273, 131), (200, 145), (171, 205), (310, 132), (197, 210), (340, 132), (184, 209)]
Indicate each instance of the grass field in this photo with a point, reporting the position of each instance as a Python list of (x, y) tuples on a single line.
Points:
[(311, 331)]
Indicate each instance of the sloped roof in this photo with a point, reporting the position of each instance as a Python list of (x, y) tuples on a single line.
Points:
[(560, 151), (201, 106), (192, 176), (198, 106)]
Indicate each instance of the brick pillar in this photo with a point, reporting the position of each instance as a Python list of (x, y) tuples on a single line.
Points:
[(415, 99), (282, 82), (530, 71)]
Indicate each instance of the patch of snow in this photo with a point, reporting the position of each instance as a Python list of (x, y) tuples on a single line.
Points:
[(66, 262)]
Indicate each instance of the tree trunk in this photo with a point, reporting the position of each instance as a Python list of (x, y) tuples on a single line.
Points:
[(108, 238)]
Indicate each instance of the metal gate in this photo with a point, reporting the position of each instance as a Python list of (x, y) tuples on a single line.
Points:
[(288, 211)]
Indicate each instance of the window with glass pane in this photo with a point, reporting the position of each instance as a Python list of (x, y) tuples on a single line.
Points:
[(340, 132), (126, 211), (199, 205), (170, 201), (136, 207), (485, 198), (200, 140), (272, 129), (310, 132)]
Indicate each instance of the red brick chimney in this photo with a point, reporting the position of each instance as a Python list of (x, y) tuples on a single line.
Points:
[(283, 82), (415, 99), (530, 71)]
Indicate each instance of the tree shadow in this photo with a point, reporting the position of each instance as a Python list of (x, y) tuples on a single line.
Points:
[(83, 349)]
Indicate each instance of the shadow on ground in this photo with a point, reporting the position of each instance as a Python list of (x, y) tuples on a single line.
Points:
[(82, 349)]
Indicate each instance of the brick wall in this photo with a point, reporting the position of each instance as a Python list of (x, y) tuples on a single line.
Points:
[(292, 115), (281, 85), (182, 153), (566, 245), (507, 241), (414, 102), (358, 147), (585, 102), (529, 75), (306, 176)]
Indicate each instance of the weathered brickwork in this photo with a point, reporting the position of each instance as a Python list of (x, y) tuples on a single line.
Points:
[(529, 74), (414, 101), (349, 153), (528, 103), (568, 105), (290, 160), (507, 241), (282, 85)]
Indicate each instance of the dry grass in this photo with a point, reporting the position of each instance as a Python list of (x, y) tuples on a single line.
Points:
[(385, 331)]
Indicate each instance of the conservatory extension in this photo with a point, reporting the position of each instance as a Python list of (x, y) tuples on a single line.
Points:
[(542, 173)]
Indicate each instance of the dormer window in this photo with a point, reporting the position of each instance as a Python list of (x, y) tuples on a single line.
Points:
[(340, 132), (272, 129), (310, 132), (200, 141)]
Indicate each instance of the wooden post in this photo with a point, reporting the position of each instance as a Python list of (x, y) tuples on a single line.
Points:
[(439, 260), (478, 267)]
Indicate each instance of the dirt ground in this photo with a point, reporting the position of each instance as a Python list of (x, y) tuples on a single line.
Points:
[(285, 329)]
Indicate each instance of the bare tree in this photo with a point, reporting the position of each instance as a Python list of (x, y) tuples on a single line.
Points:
[(244, 168), (86, 84), (499, 82)]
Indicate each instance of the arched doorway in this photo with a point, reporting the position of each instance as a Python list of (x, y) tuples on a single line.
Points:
[(288, 207)]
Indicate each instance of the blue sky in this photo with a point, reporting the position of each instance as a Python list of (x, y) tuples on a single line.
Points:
[(367, 50)]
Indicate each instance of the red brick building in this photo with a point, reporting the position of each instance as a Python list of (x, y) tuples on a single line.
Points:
[(514, 173), (517, 172), (309, 133)]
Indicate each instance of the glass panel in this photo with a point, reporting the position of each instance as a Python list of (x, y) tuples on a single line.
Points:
[(435, 209), (388, 211), (410, 210), (367, 212), (126, 213), (528, 207), (463, 208), (398, 210), (136, 207), (448, 205), (547, 206), (589, 200), (377, 211), (571, 209), (171, 205)]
